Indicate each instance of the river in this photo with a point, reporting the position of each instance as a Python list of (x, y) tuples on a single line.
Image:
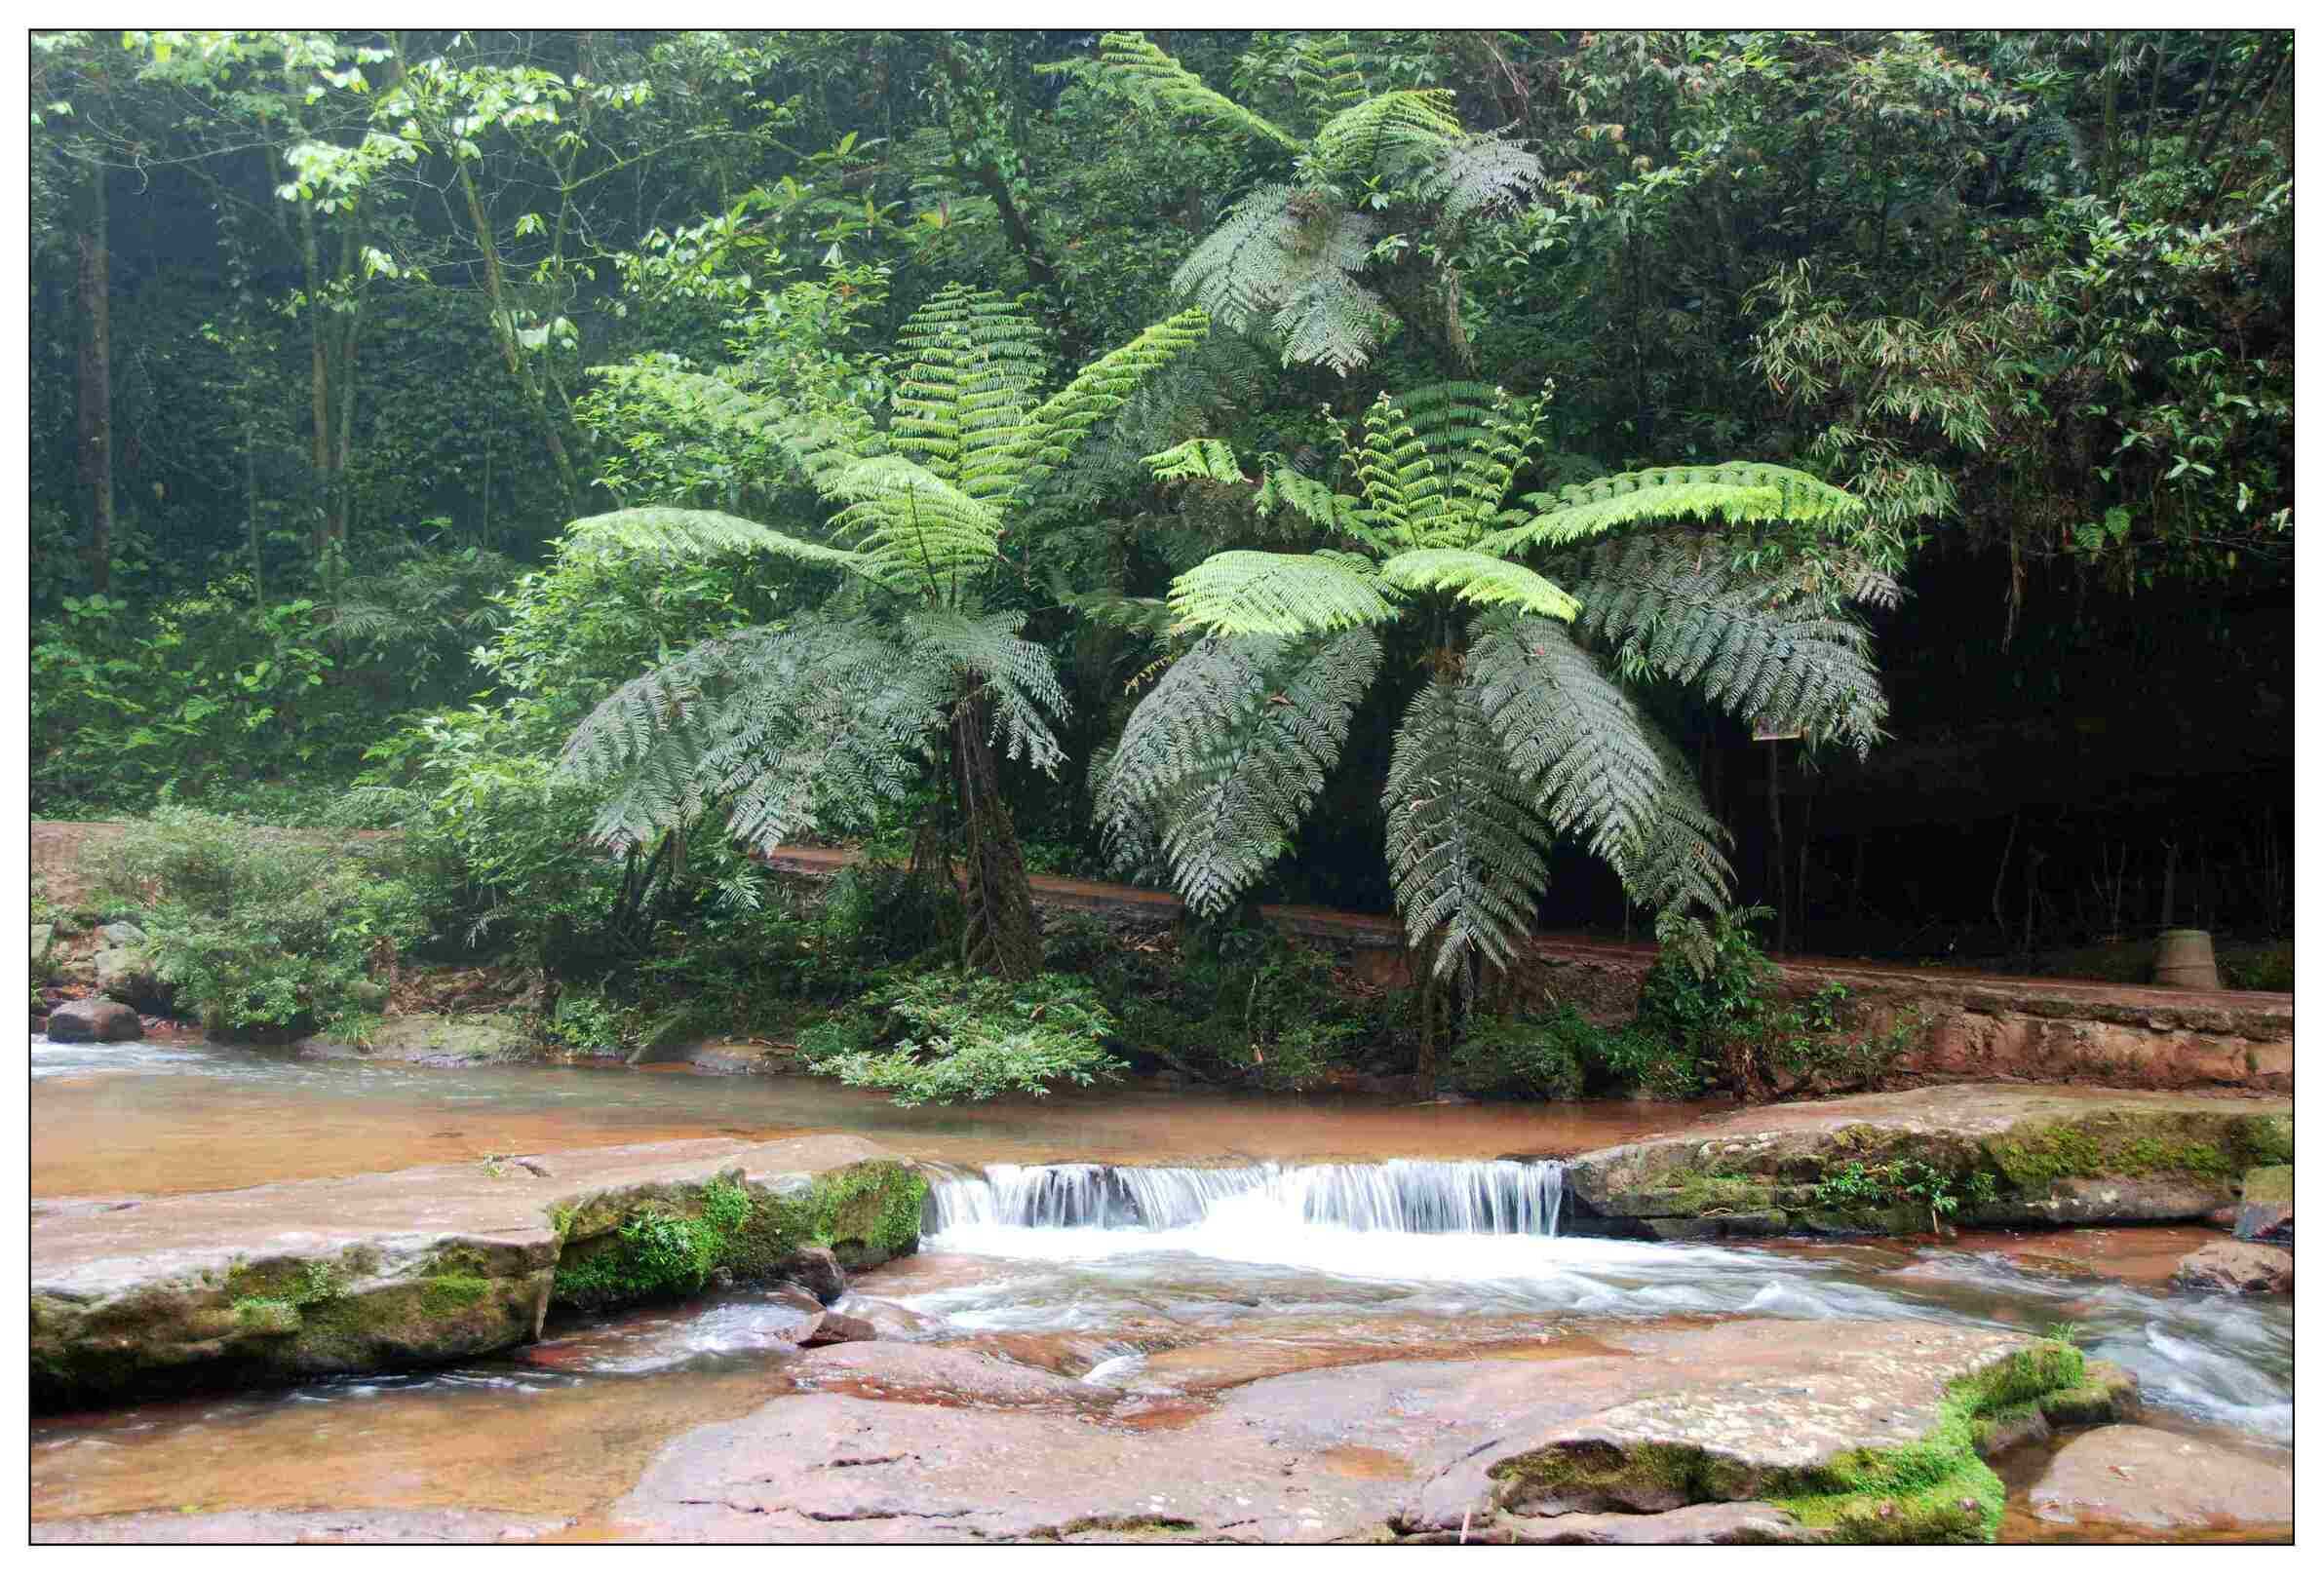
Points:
[(1163, 1247)]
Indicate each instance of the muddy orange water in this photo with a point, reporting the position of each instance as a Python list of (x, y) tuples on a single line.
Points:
[(158, 1119)]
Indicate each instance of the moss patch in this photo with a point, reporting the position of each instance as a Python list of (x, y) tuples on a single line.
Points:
[(674, 1241), (2034, 1156), (1935, 1489), (2269, 1183)]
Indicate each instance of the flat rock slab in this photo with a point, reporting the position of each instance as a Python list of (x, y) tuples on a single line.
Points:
[(2050, 1155), (84, 1247), (2143, 1477), (352, 1274), (2242, 1268), (904, 1443)]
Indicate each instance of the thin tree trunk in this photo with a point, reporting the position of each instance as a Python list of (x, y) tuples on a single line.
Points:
[(1775, 847), (318, 328), (2002, 876), (999, 934), (97, 381), (504, 330), (2112, 164)]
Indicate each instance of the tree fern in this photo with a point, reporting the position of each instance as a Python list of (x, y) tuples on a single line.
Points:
[(1205, 457), (1672, 605), (1466, 853), (1246, 592), (1388, 134), (779, 725), (1133, 65), (1731, 494), (1478, 578), (1225, 754), (1290, 261)]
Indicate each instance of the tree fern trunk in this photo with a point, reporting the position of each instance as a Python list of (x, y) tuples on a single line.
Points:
[(998, 935)]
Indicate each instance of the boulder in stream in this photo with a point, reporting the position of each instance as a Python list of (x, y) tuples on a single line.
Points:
[(2243, 1268), (93, 1020)]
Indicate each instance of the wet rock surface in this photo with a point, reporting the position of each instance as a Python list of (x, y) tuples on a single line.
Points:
[(1878, 1163), (301, 1527), (2266, 1213), (95, 1019), (913, 1444), (2141, 1477), (424, 1040), (2242, 1268), (405, 1268)]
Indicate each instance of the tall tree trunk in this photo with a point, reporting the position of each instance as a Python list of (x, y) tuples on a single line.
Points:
[(504, 330), (998, 935), (318, 329), (96, 429)]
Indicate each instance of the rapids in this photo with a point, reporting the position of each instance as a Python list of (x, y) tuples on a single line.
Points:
[(1045, 1240)]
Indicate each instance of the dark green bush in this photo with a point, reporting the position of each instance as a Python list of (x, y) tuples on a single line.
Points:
[(1524, 1058), (947, 1035)]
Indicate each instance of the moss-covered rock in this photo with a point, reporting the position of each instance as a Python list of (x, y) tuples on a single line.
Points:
[(434, 1264), (1900, 1472), (671, 1240), (1897, 1163)]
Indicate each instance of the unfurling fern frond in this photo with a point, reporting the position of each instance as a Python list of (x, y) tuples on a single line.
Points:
[(1132, 64), (1290, 258), (701, 533), (1225, 754), (1672, 603), (1246, 592), (1016, 675), (1466, 853), (1435, 463), (1733, 494), (1476, 578), (1206, 458)]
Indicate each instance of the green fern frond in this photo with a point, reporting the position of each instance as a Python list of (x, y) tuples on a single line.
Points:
[(1673, 604), (1311, 500), (1060, 422), (1246, 592), (701, 533), (1326, 74), (915, 530), (963, 407), (1600, 770), (1476, 578), (1480, 178), (1466, 853), (1435, 463), (1291, 259), (1132, 64), (1205, 457), (1017, 675), (1225, 754), (1733, 494), (1389, 132)]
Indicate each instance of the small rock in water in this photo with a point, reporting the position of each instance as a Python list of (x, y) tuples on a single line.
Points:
[(837, 1328), (817, 1268), (2244, 1268), (95, 1020)]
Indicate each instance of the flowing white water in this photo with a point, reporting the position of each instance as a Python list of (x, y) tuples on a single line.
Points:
[(1086, 1248), (1421, 1197)]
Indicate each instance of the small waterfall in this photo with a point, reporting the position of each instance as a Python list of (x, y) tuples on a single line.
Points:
[(1432, 1197)]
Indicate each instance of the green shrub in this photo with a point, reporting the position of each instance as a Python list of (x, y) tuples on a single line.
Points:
[(1699, 1015), (261, 933), (1524, 1057), (948, 1035)]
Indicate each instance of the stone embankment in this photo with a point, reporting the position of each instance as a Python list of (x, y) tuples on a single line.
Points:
[(1975, 1027), (1902, 1163), (423, 1266)]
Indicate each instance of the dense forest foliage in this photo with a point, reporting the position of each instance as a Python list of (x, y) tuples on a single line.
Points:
[(1393, 469)]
